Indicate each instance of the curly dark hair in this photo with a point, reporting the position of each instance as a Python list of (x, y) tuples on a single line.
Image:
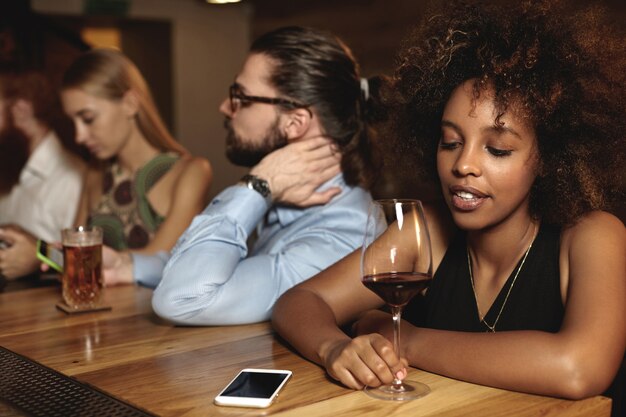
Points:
[(562, 70)]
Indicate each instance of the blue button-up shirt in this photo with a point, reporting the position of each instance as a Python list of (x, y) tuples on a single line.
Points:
[(212, 278)]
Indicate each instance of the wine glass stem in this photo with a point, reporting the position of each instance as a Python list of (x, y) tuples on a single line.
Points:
[(397, 313)]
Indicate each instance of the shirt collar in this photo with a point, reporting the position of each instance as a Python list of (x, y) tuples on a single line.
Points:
[(286, 215)]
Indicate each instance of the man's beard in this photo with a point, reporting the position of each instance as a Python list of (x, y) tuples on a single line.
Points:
[(248, 155), (14, 153)]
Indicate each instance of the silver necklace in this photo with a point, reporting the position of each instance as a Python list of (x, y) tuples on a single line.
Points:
[(492, 327)]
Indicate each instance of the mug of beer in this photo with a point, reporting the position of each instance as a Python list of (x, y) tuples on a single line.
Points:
[(82, 269)]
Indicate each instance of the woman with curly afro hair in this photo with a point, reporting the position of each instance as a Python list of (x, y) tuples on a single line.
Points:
[(519, 114)]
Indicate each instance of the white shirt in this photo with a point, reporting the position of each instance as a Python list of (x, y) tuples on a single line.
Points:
[(46, 198)]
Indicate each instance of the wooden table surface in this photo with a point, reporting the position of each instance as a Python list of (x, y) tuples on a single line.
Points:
[(177, 371)]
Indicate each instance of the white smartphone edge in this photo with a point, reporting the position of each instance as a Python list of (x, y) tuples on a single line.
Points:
[(252, 402)]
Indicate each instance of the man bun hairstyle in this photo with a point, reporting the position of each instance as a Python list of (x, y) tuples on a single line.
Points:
[(316, 69)]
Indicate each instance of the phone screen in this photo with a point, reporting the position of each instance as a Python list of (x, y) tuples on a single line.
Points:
[(255, 384), (253, 388), (50, 255)]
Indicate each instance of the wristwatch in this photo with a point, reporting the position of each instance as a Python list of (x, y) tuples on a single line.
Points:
[(259, 185)]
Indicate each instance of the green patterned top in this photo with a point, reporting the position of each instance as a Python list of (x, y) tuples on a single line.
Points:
[(124, 212)]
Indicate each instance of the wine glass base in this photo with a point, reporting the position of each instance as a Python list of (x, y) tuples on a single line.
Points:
[(408, 390)]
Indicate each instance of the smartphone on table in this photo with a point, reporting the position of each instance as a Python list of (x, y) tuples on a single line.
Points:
[(256, 388), (50, 255)]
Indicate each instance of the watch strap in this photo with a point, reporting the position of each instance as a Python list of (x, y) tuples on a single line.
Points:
[(259, 185)]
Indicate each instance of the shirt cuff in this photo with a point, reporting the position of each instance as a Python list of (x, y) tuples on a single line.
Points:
[(245, 206), (148, 269)]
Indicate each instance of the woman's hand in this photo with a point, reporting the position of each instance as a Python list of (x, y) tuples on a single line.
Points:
[(374, 321), (19, 258), (295, 171), (366, 360), (117, 267)]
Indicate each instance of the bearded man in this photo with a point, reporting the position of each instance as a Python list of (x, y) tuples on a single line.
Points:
[(295, 116)]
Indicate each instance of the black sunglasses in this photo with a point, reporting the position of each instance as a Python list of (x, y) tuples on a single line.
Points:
[(237, 99)]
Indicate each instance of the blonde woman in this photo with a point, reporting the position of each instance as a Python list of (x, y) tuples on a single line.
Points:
[(145, 188)]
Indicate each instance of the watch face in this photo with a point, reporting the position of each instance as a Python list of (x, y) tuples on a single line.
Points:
[(263, 187), (257, 184)]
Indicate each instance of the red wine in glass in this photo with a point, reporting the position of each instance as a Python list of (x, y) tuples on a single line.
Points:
[(396, 264), (397, 288)]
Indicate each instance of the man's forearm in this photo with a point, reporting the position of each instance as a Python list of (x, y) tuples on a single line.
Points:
[(207, 255)]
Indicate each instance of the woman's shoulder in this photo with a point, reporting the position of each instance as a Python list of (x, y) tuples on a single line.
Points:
[(597, 232), (596, 242), (194, 162), (598, 224), (192, 174), (193, 166)]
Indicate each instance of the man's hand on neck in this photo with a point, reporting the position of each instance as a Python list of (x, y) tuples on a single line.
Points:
[(296, 171)]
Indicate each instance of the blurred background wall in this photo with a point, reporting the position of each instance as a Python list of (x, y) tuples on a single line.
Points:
[(190, 50)]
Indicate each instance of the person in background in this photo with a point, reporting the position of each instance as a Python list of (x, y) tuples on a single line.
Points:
[(518, 112), (144, 188), (297, 116), (40, 180)]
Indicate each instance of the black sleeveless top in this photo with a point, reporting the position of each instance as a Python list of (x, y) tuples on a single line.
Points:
[(533, 304)]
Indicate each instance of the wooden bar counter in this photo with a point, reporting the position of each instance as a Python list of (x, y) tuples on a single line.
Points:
[(129, 353)]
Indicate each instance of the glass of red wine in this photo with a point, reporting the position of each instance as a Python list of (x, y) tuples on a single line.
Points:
[(396, 264)]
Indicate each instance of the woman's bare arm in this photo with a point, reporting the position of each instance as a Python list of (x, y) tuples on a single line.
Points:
[(579, 361), (309, 317)]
